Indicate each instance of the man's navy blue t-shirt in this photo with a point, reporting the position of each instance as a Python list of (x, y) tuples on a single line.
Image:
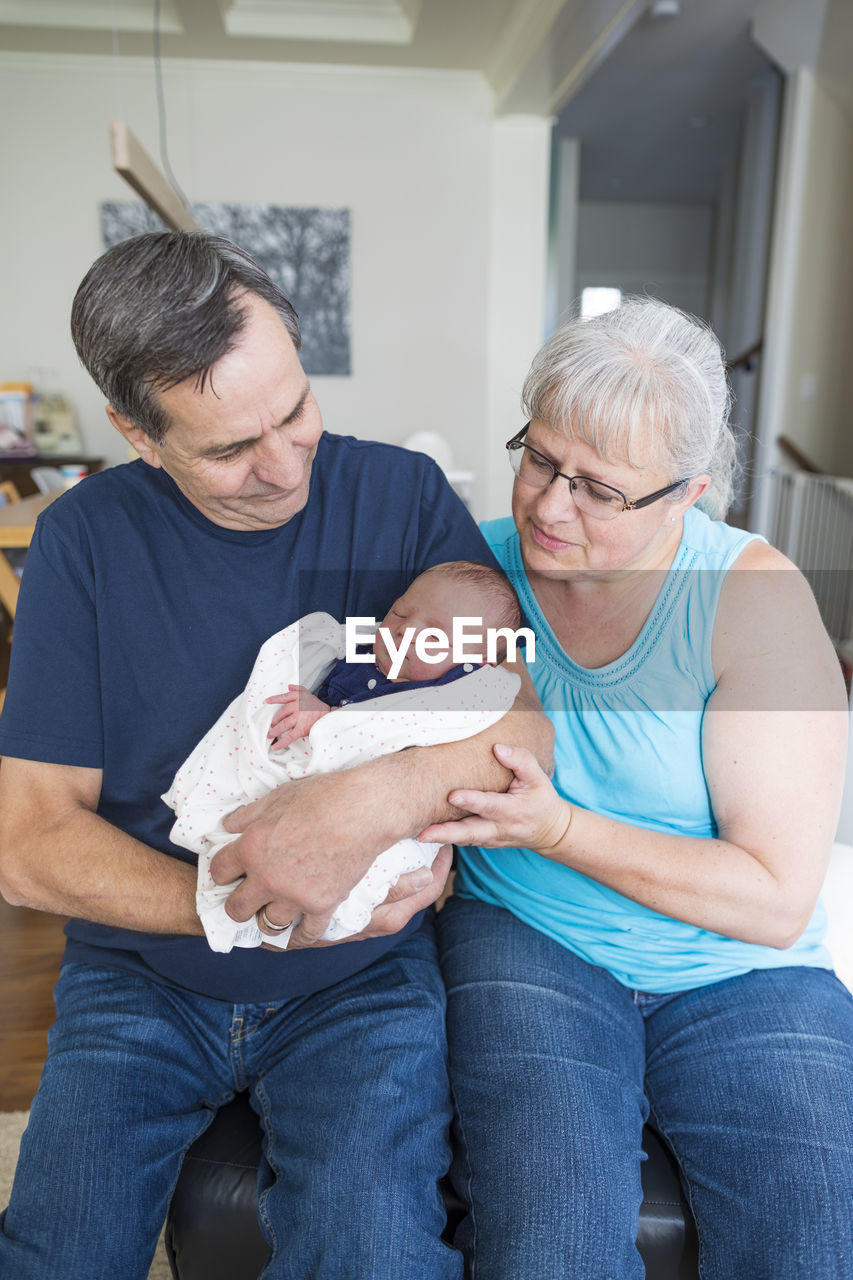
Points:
[(139, 620)]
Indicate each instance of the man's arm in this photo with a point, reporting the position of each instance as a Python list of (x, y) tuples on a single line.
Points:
[(57, 855), (303, 847)]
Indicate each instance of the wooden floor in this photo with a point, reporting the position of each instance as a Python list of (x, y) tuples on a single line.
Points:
[(31, 946)]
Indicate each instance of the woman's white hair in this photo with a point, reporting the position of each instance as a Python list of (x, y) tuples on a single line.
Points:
[(645, 376)]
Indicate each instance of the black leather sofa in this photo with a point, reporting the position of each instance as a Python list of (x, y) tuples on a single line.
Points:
[(212, 1230)]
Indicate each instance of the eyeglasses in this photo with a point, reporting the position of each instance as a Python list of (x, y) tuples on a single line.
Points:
[(601, 501)]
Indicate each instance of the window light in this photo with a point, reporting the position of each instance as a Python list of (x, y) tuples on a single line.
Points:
[(596, 300)]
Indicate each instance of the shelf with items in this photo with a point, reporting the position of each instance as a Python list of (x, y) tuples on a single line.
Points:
[(18, 469)]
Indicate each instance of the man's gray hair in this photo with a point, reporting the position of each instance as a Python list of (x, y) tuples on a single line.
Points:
[(645, 376), (160, 308)]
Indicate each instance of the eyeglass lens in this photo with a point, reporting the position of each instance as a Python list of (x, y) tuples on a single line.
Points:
[(590, 497)]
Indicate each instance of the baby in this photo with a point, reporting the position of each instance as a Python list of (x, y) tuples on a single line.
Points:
[(351, 720), (431, 604)]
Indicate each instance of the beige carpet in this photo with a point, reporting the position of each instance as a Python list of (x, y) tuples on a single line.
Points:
[(12, 1125)]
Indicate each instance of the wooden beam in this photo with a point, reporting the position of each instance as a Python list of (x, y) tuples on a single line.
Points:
[(133, 162)]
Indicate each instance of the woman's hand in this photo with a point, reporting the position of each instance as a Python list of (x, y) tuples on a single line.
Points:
[(530, 815)]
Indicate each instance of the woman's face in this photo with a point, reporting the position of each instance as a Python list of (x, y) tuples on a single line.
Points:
[(557, 537)]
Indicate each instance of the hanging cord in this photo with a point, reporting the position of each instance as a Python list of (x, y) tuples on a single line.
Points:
[(118, 98), (161, 107)]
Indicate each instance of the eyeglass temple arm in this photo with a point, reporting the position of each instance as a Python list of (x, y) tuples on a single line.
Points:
[(652, 497)]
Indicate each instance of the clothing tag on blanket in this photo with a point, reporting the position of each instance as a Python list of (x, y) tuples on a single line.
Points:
[(221, 931)]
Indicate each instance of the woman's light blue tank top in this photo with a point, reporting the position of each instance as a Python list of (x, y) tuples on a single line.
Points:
[(629, 745)]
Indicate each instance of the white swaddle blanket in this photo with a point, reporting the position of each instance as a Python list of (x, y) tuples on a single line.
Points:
[(233, 763)]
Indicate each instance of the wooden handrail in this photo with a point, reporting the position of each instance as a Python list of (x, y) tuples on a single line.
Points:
[(745, 359), (797, 456)]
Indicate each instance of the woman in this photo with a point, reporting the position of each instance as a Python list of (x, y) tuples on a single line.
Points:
[(645, 941)]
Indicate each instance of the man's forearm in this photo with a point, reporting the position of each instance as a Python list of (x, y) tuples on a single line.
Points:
[(419, 780), (82, 866)]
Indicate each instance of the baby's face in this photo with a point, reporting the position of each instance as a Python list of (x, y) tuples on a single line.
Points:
[(431, 602)]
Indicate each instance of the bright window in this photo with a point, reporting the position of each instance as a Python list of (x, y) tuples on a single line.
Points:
[(596, 300)]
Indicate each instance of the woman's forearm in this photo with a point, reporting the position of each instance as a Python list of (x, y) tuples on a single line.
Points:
[(711, 883), (758, 881)]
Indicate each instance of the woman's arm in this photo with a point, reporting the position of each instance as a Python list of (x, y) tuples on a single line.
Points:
[(773, 747)]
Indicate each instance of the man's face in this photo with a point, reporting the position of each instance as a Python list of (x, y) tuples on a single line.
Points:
[(241, 449)]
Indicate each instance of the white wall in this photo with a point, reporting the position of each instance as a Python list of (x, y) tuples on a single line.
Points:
[(409, 152), (563, 232), (818, 406), (845, 821), (659, 249), (521, 147), (805, 391), (743, 220)]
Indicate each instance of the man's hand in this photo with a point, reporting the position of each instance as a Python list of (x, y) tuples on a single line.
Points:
[(302, 848), (300, 711), (411, 894)]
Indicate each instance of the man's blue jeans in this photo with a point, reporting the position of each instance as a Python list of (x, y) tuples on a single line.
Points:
[(555, 1067), (350, 1085)]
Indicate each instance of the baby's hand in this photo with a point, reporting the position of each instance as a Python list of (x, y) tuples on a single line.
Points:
[(299, 711)]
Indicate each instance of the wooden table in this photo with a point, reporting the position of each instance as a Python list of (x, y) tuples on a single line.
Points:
[(17, 524)]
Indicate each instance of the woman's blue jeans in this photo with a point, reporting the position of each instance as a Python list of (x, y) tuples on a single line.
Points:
[(350, 1085), (555, 1067)]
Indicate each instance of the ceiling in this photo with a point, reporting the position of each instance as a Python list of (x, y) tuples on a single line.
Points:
[(660, 121), (454, 34), (656, 102)]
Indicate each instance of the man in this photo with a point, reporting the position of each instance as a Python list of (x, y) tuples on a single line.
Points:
[(148, 591)]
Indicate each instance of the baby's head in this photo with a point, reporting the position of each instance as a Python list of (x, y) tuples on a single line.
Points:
[(456, 589)]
